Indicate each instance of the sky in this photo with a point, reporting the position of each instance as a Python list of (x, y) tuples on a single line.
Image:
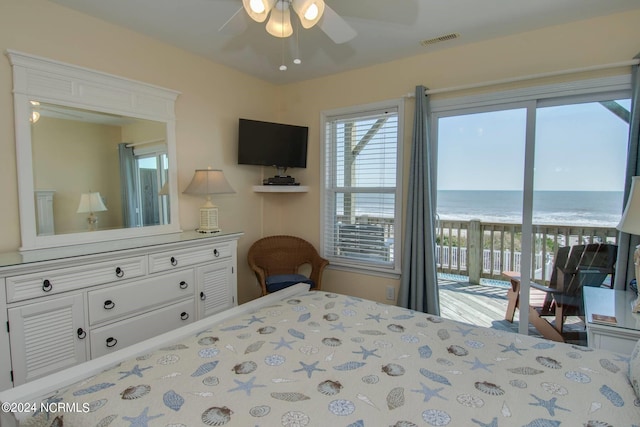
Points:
[(579, 147)]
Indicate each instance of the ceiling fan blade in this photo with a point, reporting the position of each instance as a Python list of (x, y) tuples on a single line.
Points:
[(335, 27), (236, 24)]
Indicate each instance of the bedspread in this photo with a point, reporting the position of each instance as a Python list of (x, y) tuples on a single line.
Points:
[(323, 359)]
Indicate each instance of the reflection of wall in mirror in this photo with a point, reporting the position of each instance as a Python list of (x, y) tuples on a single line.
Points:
[(74, 157)]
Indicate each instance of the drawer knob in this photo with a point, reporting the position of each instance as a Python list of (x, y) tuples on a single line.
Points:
[(184, 315), (184, 285), (174, 261), (46, 285), (108, 304), (202, 296), (119, 272), (111, 342), (216, 253), (81, 333)]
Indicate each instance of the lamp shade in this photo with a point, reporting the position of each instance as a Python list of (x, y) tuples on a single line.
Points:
[(309, 11), (164, 191), (207, 182), (279, 24), (258, 10), (91, 202), (630, 222)]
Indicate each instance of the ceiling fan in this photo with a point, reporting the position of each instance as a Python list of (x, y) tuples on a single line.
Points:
[(309, 12)]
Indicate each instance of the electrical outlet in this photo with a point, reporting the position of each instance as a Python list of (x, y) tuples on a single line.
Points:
[(391, 293)]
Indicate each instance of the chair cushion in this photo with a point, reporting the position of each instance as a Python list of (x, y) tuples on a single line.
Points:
[(280, 281), (634, 369)]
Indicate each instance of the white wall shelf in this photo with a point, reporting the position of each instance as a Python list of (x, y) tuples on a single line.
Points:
[(280, 188)]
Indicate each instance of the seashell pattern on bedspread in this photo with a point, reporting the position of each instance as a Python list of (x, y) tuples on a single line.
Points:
[(323, 359)]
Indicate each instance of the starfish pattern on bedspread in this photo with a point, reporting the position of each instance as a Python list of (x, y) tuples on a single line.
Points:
[(549, 405), (309, 368), (366, 353), (429, 392), (137, 371), (246, 386), (512, 347), (143, 419), (377, 317), (477, 364), (339, 327), (282, 343), (255, 319)]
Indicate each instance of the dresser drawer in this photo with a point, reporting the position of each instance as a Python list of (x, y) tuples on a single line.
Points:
[(116, 301), (162, 261), (50, 282), (121, 334)]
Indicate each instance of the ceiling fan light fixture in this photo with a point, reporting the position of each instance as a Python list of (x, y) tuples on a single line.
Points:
[(279, 24), (309, 11), (258, 10)]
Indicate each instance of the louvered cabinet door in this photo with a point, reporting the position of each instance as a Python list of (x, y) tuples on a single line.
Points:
[(216, 288), (47, 337)]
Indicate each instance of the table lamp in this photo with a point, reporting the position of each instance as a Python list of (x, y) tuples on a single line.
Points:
[(207, 182), (90, 203), (630, 223)]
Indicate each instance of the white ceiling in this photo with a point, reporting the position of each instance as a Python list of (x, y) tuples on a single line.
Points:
[(387, 29)]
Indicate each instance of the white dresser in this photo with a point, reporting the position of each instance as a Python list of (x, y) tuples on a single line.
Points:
[(67, 305)]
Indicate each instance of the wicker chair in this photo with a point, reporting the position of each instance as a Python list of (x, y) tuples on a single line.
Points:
[(277, 259)]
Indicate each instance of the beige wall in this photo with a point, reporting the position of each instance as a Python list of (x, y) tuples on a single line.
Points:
[(213, 97), (93, 149), (599, 41), (211, 100)]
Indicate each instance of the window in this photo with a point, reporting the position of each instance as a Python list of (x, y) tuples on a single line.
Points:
[(362, 186), (151, 170), (539, 167)]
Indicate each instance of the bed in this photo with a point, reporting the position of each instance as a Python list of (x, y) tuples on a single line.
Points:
[(313, 358)]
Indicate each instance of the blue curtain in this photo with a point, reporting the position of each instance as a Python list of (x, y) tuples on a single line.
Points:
[(419, 283), (625, 269), (128, 186)]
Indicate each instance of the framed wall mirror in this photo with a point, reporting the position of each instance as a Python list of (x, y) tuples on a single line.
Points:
[(95, 152)]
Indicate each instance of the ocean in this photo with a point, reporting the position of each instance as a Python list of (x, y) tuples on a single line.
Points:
[(583, 208)]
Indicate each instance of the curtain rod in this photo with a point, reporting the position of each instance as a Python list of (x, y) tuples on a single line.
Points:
[(152, 141), (528, 77)]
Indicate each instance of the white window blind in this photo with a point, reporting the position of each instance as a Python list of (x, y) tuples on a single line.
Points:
[(361, 188)]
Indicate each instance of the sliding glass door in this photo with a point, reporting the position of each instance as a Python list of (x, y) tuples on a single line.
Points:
[(579, 175), (516, 181), (481, 157)]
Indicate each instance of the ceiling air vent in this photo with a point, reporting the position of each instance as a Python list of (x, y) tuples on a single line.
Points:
[(439, 39)]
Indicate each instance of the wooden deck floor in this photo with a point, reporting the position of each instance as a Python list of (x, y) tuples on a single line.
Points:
[(485, 306)]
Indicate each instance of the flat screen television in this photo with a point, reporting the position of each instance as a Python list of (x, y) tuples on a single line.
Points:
[(272, 144)]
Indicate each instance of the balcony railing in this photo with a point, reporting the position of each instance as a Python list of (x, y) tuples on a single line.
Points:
[(484, 250)]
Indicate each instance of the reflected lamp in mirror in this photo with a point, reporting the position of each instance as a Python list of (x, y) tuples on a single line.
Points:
[(207, 182), (90, 203), (630, 222), (35, 114), (164, 191)]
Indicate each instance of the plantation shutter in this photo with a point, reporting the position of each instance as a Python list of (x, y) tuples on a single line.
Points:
[(361, 161)]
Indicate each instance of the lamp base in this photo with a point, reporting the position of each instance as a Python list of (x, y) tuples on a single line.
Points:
[(203, 231), (208, 219), (92, 222)]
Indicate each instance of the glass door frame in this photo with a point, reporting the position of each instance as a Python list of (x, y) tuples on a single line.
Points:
[(530, 98), (530, 108)]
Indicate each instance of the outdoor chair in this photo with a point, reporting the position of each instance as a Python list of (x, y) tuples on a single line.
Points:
[(278, 260), (574, 267), (363, 241)]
